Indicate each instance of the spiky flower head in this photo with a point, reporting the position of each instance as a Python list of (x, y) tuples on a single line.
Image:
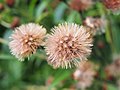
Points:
[(113, 5), (67, 45), (26, 39)]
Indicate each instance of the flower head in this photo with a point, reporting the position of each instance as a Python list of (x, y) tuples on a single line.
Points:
[(84, 75), (26, 39), (67, 45), (80, 5), (95, 25), (113, 5)]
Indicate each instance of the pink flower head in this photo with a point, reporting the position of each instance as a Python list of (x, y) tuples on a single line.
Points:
[(113, 5), (95, 25), (67, 45), (81, 5), (26, 39)]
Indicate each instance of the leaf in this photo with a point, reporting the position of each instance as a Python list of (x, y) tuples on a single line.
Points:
[(32, 7), (59, 12), (41, 8), (115, 36), (6, 37), (6, 57), (15, 68), (111, 87), (60, 75), (74, 17)]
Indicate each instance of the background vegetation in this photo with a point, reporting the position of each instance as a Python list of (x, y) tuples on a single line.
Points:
[(35, 73)]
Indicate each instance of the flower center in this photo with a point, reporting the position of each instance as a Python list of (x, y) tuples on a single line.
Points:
[(28, 39), (67, 47), (30, 42)]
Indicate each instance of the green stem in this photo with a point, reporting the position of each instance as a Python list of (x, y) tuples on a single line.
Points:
[(3, 41), (5, 24)]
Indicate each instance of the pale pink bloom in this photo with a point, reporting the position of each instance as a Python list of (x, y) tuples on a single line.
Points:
[(67, 45), (26, 39), (95, 25), (84, 75)]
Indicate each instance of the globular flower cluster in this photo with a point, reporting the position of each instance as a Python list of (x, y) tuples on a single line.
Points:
[(81, 5), (66, 46), (84, 75), (113, 5), (95, 25), (26, 39)]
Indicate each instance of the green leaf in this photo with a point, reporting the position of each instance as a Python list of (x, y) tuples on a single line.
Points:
[(60, 75), (15, 68), (6, 57), (115, 36), (59, 12), (111, 87), (74, 16), (7, 34), (41, 8), (32, 7)]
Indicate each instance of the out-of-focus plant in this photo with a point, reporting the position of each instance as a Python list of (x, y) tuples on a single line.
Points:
[(35, 73)]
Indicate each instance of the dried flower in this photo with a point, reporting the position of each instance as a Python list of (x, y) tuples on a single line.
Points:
[(26, 39), (80, 5), (113, 5), (84, 75), (67, 45), (95, 25)]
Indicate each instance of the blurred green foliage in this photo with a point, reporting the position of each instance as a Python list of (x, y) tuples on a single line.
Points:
[(35, 72)]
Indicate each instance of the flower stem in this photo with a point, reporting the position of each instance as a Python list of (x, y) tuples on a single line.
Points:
[(3, 41)]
